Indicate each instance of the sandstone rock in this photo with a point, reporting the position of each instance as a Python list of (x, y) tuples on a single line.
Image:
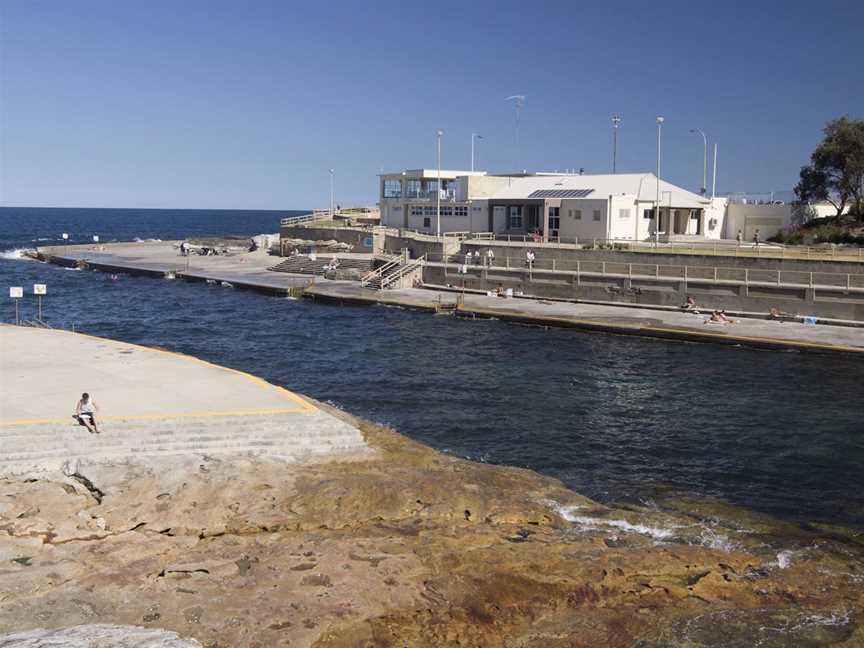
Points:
[(409, 547)]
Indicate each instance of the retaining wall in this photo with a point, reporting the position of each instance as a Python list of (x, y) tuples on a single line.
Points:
[(360, 239), (544, 256), (821, 302)]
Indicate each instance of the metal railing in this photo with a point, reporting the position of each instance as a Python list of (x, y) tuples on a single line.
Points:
[(401, 271), (378, 273), (326, 214), (848, 282)]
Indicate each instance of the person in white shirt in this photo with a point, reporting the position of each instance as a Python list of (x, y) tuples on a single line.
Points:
[(85, 413)]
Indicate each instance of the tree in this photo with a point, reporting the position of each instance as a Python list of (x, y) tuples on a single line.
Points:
[(836, 169)]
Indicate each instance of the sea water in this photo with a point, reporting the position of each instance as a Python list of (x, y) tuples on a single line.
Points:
[(616, 418)]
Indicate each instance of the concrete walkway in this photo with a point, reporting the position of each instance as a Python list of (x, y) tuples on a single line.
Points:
[(756, 333), (243, 269), (150, 402)]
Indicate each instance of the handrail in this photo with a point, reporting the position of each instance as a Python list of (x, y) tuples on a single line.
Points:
[(688, 274), (380, 271), (402, 271), (326, 214)]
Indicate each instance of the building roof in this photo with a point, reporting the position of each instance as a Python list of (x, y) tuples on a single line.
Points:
[(641, 185)]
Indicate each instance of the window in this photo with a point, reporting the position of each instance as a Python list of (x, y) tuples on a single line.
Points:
[(427, 222), (694, 213), (515, 217), (428, 210), (648, 214), (623, 213), (597, 215), (413, 188), (416, 210), (554, 220), (392, 188), (446, 211), (576, 214), (460, 211)]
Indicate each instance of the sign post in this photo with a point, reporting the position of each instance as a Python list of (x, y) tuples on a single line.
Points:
[(16, 293), (39, 290)]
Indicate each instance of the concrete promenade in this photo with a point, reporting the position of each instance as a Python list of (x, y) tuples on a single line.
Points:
[(151, 402), (250, 270), (243, 270), (757, 333)]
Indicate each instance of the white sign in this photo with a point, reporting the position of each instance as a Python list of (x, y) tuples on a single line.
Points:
[(40, 289), (16, 292), (65, 236), (95, 238)]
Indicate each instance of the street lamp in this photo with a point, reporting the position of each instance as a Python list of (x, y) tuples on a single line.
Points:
[(704, 159), (660, 121), (439, 133), (616, 121), (518, 104), (473, 137), (332, 180)]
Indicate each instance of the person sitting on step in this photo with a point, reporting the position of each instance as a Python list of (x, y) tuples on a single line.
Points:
[(85, 413)]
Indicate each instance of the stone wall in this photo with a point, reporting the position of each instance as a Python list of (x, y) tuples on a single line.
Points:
[(361, 239), (821, 302), (562, 257)]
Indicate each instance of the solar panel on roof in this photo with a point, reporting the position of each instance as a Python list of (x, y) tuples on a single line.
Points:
[(560, 193)]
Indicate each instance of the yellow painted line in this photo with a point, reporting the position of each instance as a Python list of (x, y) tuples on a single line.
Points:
[(307, 406), (157, 417)]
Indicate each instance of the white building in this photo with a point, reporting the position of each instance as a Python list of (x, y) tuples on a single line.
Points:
[(556, 206)]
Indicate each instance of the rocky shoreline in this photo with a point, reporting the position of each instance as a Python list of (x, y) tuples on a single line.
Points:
[(407, 546)]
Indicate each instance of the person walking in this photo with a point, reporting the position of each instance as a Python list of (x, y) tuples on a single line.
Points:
[(85, 413)]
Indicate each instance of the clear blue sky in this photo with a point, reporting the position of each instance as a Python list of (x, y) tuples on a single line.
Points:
[(218, 104)]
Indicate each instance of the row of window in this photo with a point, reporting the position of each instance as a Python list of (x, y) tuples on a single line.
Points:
[(417, 188), (430, 210), (576, 214)]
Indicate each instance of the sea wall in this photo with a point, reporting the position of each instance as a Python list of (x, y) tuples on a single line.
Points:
[(360, 239), (835, 303)]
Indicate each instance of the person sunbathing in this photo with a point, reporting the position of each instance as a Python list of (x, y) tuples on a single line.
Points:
[(690, 305)]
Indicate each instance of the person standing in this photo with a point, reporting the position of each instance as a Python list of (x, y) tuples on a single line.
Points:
[(85, 413), (757, 237), (739, 237), (490, 257)]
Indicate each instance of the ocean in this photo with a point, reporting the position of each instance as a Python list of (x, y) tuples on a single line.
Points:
[(619, 419)]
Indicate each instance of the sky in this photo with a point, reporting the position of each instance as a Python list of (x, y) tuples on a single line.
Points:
[(227, 104)]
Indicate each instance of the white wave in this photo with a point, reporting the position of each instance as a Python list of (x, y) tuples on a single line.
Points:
[(148, 240), (711, 539), (16, 254), (837, 618), (784, 559), (658, 533)]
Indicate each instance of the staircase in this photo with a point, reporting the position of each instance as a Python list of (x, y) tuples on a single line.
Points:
[(394, 273), (302, 264), (289, 436)]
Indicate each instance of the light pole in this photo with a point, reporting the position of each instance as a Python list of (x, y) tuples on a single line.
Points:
[(332, 180), (439, 133), (473, 137), (518, 103), (660, 121), (704, 160), (616, 121)]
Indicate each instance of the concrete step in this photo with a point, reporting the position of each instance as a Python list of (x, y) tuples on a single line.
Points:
[(34, 447)]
